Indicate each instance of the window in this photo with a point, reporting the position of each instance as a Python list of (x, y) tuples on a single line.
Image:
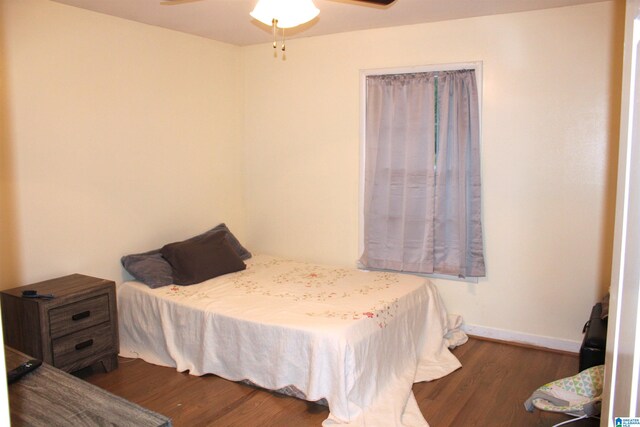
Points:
[(421, 178)]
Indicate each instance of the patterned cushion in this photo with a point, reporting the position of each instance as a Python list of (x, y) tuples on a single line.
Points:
[(575, 395)]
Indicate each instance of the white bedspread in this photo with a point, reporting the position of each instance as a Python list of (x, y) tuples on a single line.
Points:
[(359, 339)]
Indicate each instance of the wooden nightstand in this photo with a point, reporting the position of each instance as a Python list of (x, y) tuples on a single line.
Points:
[(77, 328)]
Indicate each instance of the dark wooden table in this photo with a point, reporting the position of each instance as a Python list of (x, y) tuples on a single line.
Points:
[(50, 397)]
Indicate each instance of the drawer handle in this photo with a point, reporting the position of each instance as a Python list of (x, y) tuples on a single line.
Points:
[(84, 344), (81, 315)]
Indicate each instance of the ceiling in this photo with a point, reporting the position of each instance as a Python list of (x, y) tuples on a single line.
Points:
[(228, 21)]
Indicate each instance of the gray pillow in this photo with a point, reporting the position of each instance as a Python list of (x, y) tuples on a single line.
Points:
[(149, 268), (196, 260), (235, 244), (153, 270)]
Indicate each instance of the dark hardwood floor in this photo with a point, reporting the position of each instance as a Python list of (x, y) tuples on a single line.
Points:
[(489, 390)]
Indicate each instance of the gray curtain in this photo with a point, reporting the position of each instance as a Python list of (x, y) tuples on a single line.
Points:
[(458, 247), (415, 214)]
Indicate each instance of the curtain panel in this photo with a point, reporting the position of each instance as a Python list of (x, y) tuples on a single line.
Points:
[(422, 174)]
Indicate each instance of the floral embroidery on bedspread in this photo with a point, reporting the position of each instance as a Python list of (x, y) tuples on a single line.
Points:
[(384, 276), (307, 282), (313, 276), (301, 282), (382, 313), (185, 291), (178, 291)]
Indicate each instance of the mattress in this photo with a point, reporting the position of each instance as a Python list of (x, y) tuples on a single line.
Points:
[(357, 339)]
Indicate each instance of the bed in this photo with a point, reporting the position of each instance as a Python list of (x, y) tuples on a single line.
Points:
[(357, 339)]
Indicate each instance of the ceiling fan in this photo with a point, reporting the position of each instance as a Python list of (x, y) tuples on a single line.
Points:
[(383, 2), (281, 14), (378, 2)]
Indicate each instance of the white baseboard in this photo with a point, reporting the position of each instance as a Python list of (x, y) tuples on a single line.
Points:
[(522, 338)]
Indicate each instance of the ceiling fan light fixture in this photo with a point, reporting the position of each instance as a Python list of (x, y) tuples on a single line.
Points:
[(285, 13)]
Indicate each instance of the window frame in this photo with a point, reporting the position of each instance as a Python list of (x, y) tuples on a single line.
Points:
[(474, 65)]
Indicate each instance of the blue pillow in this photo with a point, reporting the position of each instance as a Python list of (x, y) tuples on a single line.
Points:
[(149, 268)]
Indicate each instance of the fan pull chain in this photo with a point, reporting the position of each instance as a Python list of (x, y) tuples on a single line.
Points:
[(274, 24), (283, 47)]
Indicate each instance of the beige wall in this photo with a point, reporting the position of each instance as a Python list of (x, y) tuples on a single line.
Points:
[(8, 231), (116, 137), (550, 114)]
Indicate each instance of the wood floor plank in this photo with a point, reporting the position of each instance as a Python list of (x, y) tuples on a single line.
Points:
[(489, 390), (500, 378)]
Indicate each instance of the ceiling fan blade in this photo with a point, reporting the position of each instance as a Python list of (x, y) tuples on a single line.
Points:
[(382, 2), (176, 2)]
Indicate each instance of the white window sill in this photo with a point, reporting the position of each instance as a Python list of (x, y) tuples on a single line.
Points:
[(429, 276)]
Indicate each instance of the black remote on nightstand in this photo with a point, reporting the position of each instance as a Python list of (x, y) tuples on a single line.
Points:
[(28, 366)]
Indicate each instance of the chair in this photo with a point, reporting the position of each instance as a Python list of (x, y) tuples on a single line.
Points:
[(579, 396)]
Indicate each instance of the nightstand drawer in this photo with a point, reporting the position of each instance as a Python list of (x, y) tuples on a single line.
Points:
[(83, 344), (78, 315)]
